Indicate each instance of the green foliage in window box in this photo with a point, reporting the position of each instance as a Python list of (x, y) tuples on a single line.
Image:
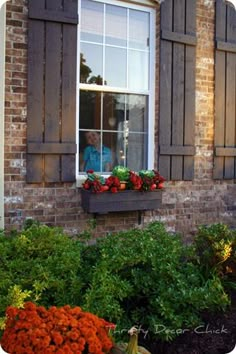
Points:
[(121, 172)]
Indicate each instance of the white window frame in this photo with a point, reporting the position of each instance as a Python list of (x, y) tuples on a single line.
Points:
[(152, 79)]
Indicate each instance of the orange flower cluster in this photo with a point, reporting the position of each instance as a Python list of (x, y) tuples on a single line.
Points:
[(64, 330)]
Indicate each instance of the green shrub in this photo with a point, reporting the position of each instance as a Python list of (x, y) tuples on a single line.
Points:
[(149, 278), (216, 248), (138, 277), (43, 263)]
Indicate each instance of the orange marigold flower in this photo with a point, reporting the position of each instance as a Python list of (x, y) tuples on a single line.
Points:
[(30, 306), (64, 330), (57, 337)]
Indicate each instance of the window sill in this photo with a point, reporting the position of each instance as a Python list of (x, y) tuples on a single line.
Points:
[(128, 200)]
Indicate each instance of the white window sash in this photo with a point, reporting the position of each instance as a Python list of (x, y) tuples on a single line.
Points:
[(99, 88)]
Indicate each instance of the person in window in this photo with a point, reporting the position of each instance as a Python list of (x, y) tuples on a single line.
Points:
[(92, 154)]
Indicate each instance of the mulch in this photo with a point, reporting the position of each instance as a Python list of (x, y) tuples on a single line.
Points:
[(216, 336)]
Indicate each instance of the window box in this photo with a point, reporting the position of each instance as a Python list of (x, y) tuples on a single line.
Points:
[(128, 200)]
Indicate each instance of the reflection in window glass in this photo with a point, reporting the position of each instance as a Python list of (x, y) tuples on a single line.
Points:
[(139, 29), (90, 110), (92, 14), (110, 140), (138, 63), (116, 26), (114, 111), (136, 151), (115, 67), (137, 113), (91, 64)]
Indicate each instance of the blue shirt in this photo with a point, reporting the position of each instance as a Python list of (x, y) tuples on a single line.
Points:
[(92, 158)]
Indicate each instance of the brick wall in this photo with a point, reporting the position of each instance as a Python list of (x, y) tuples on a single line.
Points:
[(185, 204)]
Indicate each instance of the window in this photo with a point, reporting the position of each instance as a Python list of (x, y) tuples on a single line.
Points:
[(116, 86)]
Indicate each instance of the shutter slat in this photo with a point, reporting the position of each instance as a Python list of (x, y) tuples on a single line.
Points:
[(35, 109), (218, 170), (179, 37), (165, 85), (51, 148), (225, 151), (189, 121), (226, 47), (177, 89), (230, 97), (177, 150), (52, 95), (68, 99), (52, 168), (51, 16)]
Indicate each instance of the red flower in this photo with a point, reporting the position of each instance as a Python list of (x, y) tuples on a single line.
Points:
[(113, 181), (90, 171)]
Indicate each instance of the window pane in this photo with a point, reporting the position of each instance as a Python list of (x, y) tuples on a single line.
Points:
[(116, 26), (136, 158), (121, 146), (92, 21), (137, 108), (115, 67), (138, 70), (95, 153), (110, 142), (90, 110), (138, 29), (91, 64), (113, 111)]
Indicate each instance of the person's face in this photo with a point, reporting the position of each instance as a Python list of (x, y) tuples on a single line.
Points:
[(92, 138)]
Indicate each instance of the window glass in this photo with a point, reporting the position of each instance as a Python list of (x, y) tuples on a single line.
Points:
[(114, 116), (138, 63), (136, 157), (115, 124), (137, 109), (90, 110), (113, 110), (116, 26), (92, 21), (115, 67), (91, 63), (139, 29)]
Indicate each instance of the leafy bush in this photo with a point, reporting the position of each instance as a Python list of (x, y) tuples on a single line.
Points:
[(40, 264), (216, 247), (150, 279), (139, 277)]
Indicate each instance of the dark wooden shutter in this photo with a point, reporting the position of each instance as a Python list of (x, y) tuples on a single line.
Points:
[(225, 92), (52, 51), (177, 89)]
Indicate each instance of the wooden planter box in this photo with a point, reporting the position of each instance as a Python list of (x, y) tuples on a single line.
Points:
[(128, 200)]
